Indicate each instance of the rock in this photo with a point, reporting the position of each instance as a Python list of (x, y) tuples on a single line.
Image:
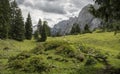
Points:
[(64, 27), (85, 17)]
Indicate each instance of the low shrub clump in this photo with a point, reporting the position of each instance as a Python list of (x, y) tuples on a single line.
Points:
[(65, 50), (118, 55), (38, 50), (90, 61), (28, 63), (53, 45)]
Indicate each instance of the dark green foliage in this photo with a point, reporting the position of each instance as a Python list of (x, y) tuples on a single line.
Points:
[(36, 35), (44, 32), (38, 50), (17, 25), (4, 18), (36, 64), (39, 27), (52, 45), (75, 29), (86, 29), (48, 30), (28, 63), (19, 29), (90, 61), (118, 55), (80, 57), (65, 50), (108, 11), (28, 28)]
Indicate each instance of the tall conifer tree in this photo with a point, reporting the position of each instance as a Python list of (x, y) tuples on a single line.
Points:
[(4, 18), (19, 30), (39, 27), (44, 33), (28, 28), (17, 24)]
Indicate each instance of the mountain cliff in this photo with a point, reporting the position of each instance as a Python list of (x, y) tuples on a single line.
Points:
[(85, 17)]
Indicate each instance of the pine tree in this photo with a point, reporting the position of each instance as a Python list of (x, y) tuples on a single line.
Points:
[(4, 18), (44, 34), (48, 30), (28, 28), (39, 27), (19, 30), (86, 29), (75, 29), (14, 8)]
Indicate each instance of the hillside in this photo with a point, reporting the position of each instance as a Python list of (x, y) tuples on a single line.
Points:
[(96, 53)]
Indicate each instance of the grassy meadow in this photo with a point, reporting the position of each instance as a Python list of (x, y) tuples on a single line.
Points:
[(96, 53)]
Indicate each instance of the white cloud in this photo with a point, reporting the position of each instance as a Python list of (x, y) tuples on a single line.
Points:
[(52, 11)]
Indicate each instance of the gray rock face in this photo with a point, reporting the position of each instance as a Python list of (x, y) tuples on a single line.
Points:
[(64, 27), (85, 17)]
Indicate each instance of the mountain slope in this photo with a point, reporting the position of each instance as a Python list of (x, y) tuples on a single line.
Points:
[(85, 17)]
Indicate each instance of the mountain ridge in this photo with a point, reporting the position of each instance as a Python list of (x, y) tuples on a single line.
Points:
[(85, 17)]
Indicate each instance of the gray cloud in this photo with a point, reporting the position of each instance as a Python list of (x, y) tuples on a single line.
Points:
[(20, 1), (47, 19), (52, 10)]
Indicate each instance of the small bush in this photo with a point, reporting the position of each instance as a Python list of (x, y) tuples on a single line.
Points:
[(52, 45), (6, 49), (28, 63), (80, 57), (65, 50), (38, 50), (118, 56), (85, 49), (36, 64), (21, 56), (49, 57), (90, 61)]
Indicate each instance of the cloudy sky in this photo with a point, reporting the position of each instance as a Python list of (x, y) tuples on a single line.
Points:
[(52, 11)]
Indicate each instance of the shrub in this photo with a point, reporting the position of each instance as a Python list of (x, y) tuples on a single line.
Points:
[(6, 48), (49, 57), (38, 50), (85, 49), (80, 57), (118, 56), (28, 63), (90, 61), (52, 45), (21, 56), (65, 50), (36, 64)]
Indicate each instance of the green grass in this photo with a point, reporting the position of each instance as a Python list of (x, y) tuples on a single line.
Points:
[(105, 42), (9, 48)]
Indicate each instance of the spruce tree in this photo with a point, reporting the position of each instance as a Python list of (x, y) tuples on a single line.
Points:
[(86, 29), (19, 30), (28, 28), (75, 29), (14, 8), (44, 33), (39, 27), (4, 18), (48, 30)]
